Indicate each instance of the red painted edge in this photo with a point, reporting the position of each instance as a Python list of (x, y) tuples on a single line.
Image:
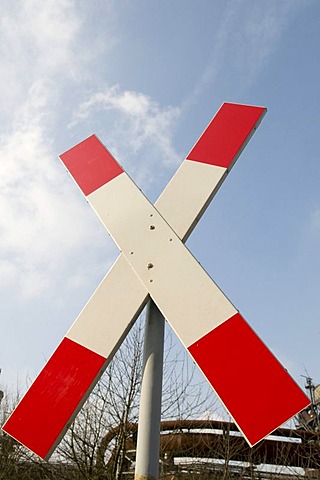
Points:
[(258, 392), (42, 416), (227, 134), (90, 164)]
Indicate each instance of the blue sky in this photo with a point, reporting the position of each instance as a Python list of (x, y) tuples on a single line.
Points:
[(147, 77)]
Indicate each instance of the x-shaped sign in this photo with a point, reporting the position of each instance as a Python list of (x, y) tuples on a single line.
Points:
[(255, 388)]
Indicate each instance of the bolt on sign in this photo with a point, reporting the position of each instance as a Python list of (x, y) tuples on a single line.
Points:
[(154, 263)]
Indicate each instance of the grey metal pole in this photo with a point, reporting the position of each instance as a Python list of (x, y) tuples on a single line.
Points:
[(148, 442)]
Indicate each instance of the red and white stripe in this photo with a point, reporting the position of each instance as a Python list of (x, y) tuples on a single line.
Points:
[(45, 412), (191, 189), (91, 342), (204, 319), (255, 388)]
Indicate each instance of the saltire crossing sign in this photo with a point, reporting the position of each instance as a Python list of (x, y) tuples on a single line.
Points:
[(154, 263)]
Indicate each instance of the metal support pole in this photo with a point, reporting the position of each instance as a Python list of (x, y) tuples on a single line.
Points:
[(148, 443)]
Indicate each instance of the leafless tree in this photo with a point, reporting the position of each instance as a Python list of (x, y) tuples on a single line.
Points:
[(99, 441), (9, 449)]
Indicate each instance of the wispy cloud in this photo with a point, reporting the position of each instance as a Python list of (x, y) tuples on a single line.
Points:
[(137, 125), (247, 36), (35, 206), (40, 60), (38, 43)]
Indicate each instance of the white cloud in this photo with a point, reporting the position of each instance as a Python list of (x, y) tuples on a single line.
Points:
[(37, 41), (41, 217), (41, 220), (36, 211), (42, 55), (137, 125)]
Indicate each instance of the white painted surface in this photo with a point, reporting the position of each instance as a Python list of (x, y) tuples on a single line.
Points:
[(188, 194), (110, 312), (182, 290)]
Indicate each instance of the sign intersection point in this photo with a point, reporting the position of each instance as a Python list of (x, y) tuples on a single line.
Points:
[(154, 263)]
